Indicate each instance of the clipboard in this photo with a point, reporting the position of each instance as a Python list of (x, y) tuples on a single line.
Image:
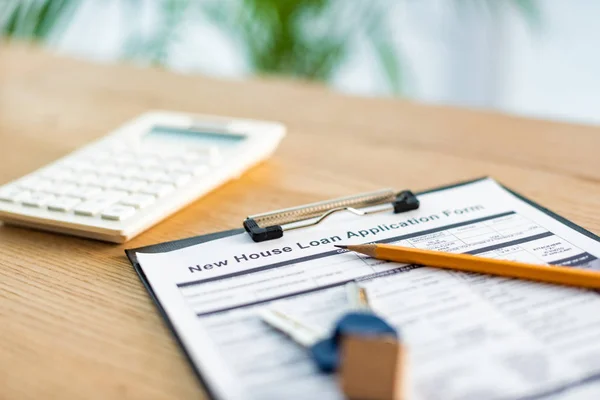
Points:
[(303, 217)]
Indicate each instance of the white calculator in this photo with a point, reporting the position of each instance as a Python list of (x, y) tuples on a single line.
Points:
[(129, 180)]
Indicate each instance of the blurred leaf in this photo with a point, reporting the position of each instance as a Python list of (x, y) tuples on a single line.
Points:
[(154, 48), (530, 11), (36, 19)]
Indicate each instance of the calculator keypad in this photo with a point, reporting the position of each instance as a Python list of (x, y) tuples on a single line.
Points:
[(112, 185)]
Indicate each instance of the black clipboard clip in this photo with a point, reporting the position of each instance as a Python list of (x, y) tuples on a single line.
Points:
[(271, 225)]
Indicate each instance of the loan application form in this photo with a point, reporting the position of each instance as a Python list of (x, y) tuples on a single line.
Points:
[(469, 336)]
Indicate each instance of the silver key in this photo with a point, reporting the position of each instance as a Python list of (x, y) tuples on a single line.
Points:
[(95, 205), (36, 199), (357, 296), (63, 204), (299, 331), (118, 212), (138, 200)]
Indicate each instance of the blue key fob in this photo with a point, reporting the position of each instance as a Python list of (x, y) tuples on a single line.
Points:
[(326, 352)]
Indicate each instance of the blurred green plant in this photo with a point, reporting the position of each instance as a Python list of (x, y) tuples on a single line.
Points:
[(35, 19), (308, 39)]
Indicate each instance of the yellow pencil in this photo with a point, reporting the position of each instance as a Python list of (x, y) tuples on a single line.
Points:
[(465, 262)]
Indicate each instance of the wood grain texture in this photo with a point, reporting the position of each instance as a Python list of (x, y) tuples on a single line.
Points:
[(75, 319)]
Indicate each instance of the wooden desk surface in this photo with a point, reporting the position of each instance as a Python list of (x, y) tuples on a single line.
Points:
[(75, 319)]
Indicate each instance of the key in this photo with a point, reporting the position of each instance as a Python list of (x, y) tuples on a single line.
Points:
[(321, 346), (325, 348), (158, 189), (300, 332), (138, 200), (12, 194), (357, 297), (36, 199), (63, 204), (118, 212), (94, 205)]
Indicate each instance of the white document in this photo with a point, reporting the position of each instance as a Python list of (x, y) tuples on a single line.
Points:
[(469, 336)]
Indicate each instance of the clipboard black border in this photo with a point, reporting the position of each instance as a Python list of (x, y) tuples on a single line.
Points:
[(187, 242)]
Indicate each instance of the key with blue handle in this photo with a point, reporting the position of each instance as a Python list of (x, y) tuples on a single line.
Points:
[(325, 348)]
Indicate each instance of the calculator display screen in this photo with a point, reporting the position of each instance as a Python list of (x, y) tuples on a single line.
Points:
[(195, 137)]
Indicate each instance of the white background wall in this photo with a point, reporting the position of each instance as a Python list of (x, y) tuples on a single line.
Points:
[(452, 54)]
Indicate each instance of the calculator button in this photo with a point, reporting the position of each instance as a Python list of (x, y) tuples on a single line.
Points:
[(36, 199), (76, 165), (152, 175), (34, 184), (192, 156), (87, 179), (131, 185), (211, 155), (109, 182), (85, 192), (57, 174), (177, 179), (63, 204), (108, 169), (99, 156), (61, 188), (118, 212), (138, 200), (214, 156), (129, 172), (11, 194), (192, 169), (95, 205), (147, 162), (158, 189)]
